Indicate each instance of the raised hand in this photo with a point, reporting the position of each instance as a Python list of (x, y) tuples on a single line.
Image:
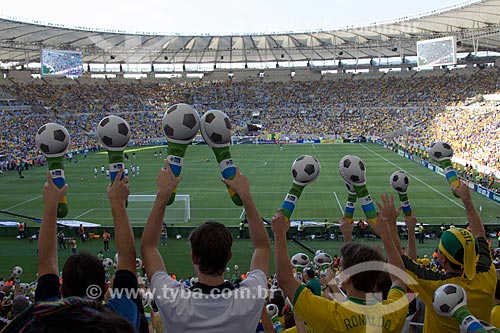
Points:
[(166, 181), (119, 190), (279, 224), (51, 193)]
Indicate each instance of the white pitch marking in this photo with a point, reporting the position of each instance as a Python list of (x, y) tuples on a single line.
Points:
[(22, 203), (338, 201), (87, 211), (421, 181)]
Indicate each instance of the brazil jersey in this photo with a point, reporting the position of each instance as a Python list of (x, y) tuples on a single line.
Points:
[(353, 315), (480, 291)]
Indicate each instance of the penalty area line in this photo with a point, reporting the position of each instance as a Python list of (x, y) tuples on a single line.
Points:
[(84, 213), (22, 203)]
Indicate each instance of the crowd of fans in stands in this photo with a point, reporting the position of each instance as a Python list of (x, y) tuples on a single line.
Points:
[(432, 107)]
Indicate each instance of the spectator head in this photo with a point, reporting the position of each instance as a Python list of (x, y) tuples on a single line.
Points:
[(72, 314), (459, 251), (79, 272), (211, 247), (19, 304), (355, 253), (309, 274)]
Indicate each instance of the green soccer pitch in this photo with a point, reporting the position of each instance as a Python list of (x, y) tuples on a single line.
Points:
[(268, 169)]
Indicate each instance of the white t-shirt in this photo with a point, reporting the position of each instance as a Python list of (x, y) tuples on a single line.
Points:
[(237, 310)]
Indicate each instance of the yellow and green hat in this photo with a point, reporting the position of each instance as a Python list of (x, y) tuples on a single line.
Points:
[(460, 247)]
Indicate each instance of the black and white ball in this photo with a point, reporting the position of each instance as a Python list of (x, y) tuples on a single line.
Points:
[(215, 128), (440, 151), (17, 271), (113, 133), (52, 139), (138, 263), (448, 298), (147, 298), (322, 258), (305, 169), (180, 123), (352, 169), (272, 310), (107, 263), (399, 181), (24, 287), (300, 260)]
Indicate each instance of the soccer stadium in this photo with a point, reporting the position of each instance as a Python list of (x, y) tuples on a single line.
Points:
[(267, 182)]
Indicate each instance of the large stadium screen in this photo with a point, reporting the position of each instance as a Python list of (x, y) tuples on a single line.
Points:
[(437, 52), (61, 63)]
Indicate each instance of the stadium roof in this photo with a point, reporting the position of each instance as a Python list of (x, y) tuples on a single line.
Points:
[(475, 24)]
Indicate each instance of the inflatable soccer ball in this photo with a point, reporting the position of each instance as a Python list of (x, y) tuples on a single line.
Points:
[(399, 181), (180, 123), (439, 151), (305, 169), (107, 263), (300, 260), (113, 133), (448, 298), (352, 169), (17, 271), (52, 139), (147, 298), (272, 310), (215, 128), (322, 258)]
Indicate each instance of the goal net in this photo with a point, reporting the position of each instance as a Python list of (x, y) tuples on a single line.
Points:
[(178, 212)]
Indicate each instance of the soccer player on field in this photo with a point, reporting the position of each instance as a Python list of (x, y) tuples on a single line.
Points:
[(211, 305), (466, 259), (360, 312)]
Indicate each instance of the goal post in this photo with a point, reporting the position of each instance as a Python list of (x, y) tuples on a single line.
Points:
[(178, 212)]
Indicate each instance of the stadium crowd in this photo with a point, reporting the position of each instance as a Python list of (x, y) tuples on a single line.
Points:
[(421, 109)]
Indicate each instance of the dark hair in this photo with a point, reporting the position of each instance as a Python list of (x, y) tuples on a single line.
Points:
[(79, 272), (310, 273), (384, 284), (72, 314), (356, 253), (211, 246), (81, 320)]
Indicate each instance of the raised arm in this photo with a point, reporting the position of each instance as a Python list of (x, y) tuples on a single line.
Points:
[(47, 238), (387, 218), (411, 222), (118, 193), (258, 234), (151, 257), (282, 264), (475, 223), (346, 228)]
